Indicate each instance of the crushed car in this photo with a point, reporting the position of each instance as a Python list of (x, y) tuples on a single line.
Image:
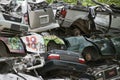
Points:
[(78, 18), (20, 43), (101, 49), (24, 19), (26, 16), (63, 64)]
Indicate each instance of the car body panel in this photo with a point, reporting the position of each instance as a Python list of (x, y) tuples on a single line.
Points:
[(34, 43), (14, 44), (68, 61), (66, 55), (54, 38), (13, 25), (76, 44), (106, 46), (42, 17), (63, 65), (73, 19), (116, 42), (45, 28), (72, 16), (11, 46)]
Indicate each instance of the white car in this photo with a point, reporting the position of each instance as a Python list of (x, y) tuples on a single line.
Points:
[(15, 15)]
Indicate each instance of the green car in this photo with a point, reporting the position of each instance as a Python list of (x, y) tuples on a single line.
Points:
[(94, 49)]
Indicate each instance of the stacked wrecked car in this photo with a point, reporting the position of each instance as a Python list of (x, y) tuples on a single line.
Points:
[(16, 32), (35, 44)]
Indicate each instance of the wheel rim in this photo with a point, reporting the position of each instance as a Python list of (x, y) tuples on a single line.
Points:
[(88, 57)]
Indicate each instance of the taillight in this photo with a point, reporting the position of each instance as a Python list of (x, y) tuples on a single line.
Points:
[(26, 18), (81, 60), (54, 56), (63, 12)]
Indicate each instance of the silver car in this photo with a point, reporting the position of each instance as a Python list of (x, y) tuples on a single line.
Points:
[(17, 15)]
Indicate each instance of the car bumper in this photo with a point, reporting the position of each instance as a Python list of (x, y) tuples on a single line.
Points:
[(13, 25), (64, 65), (45, 28)]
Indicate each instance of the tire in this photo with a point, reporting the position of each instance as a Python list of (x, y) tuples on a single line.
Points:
[(82, 25), (91, 54), (76, 32)]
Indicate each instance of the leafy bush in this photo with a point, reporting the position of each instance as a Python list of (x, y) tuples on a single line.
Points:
[(89, 2)]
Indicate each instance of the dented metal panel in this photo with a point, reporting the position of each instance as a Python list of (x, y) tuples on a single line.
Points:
[(14, 44)]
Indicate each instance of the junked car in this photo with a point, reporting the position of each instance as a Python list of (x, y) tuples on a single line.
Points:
[(24, 16), (79, 18), (63, 64), (103, 41), (23, 19), (101, 49)]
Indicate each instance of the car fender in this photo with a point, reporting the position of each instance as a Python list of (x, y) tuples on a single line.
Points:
[(34, 43), (12, 46), (56, 39), (76, 43), (105, 46), (72, 16), (116, 42)]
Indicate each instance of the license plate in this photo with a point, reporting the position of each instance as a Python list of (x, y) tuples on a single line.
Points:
[(44, 19), (111, 73)]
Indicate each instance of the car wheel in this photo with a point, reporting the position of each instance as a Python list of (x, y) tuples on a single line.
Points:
[(91, 54), (76, 32), (81, 25)]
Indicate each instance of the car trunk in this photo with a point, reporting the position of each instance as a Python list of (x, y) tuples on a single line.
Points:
[(67, 55)]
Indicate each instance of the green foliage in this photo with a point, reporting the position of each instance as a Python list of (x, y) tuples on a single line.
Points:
[(49, 1), (70, 1), (117, 2), (66, 1), (89, 2)]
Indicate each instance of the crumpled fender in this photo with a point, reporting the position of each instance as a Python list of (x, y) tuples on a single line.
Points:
[(54, 38), (76, 43), (106, 46), (13, 44), (34, 43), (116, 42)]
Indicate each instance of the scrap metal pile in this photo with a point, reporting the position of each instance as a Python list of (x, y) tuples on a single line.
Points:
[(39, 41)]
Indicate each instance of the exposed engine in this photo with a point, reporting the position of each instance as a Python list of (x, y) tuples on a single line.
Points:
[(29, 62), (21, 64)]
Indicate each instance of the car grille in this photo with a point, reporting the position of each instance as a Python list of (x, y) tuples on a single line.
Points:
[(11, 18), (111, 73)]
